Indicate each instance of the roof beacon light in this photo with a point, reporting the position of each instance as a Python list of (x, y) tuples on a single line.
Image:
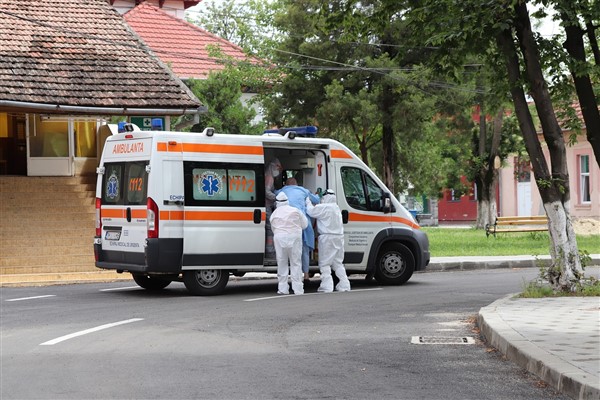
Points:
[(299, 131), (157, 124), (121, 126)]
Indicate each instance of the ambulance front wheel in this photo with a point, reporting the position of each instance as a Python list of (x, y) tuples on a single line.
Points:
[(149, 282), (395, 264), (206, 282)]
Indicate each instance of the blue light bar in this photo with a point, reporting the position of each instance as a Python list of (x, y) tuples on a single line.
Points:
[(300, 131), (157, 124)]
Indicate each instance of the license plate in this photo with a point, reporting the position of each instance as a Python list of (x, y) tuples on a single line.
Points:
[(112, 235)]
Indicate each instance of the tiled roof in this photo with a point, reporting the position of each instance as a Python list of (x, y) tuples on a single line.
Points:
[(80, 54), (179, 44)]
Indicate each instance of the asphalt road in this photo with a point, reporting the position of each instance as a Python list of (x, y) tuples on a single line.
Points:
[(117, 341)]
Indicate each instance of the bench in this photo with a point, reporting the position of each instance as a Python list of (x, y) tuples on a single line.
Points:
[(517, 224)]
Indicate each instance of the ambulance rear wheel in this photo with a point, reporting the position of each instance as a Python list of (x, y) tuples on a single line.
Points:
[(395, 264), (149, 282), (206, 282)]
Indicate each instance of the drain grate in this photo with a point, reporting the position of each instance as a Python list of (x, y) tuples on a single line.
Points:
[(442, 340)]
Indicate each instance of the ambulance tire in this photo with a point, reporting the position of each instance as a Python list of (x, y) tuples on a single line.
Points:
[(206, 282), (150, 283), (395, 264)]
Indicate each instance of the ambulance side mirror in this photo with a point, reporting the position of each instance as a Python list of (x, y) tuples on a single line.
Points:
[(387, 203)]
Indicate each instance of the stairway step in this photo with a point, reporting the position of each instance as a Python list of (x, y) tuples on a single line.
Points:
[(48, 216), (49, 225), (28, 250), (47, 261), (61, 278), (48, 269), (41, 232), (34, 199), (82, 238)]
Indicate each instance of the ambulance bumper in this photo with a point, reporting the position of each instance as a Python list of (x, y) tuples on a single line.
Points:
[(160, 256)]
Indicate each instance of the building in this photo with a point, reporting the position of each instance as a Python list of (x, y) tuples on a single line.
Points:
[(183, 46), (518, 194), (66, 67)]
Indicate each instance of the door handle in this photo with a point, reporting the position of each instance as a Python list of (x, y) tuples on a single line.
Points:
[(128, 214), (257, 216), (345, 216)]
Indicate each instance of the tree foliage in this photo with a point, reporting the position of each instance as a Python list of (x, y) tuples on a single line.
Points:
[(221, 92)]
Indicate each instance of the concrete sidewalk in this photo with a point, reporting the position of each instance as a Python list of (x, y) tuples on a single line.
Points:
[(557, 339)]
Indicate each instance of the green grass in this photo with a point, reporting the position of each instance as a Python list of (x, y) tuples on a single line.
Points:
[(449, 242), (537, 289)]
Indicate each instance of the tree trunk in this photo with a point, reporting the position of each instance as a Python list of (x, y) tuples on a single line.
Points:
[(487, 176), (388, 137), (591, 33), (583, 85), (554, 189)]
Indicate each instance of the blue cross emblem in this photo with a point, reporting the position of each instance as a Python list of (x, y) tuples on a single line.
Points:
[(210, 185)]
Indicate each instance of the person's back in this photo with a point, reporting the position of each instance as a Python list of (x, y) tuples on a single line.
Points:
[(297, 196), (287, 223), (331, 242), (287, 220)]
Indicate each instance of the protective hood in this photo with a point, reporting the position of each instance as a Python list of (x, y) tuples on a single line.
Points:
[(274, 167), (328, 197), (282, 199)]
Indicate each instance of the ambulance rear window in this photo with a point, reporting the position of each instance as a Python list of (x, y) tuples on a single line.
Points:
[(125, 183)]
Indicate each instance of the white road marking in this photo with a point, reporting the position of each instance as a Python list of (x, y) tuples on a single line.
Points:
[(282, 296), (33, 297), (91, 330), (120, 288)]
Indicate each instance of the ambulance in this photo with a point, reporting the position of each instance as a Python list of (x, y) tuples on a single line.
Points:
[(191, 207)]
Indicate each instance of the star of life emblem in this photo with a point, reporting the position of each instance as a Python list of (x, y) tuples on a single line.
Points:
[(112, 187)]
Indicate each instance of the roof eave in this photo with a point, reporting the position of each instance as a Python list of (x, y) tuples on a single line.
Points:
[(82, 110)]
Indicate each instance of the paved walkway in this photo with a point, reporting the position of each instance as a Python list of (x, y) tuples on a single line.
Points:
[(557, 339)]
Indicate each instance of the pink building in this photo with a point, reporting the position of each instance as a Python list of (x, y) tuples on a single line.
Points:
[(519, 194)]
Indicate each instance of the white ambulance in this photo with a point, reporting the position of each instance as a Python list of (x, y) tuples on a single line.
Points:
[(181, 206)]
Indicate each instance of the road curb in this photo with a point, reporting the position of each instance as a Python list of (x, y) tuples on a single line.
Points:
[(564, 377), (437, 264)]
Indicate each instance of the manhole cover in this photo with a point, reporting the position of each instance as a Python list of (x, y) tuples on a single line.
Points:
[(442, 340)]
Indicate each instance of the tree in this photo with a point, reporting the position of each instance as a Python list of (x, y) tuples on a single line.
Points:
[(504, 28), (572, 14), (221, 92)]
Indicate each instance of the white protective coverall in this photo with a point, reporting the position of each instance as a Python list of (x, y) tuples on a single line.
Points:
[(331, 242), (287, 223)]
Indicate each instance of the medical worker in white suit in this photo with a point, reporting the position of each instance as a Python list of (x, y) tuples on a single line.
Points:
[(288, 223), (331, 242)]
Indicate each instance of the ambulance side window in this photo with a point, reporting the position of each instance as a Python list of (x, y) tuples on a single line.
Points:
[(360, 190), (223, 184), (125, 183)]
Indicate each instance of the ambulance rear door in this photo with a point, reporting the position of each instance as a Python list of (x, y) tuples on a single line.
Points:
[(224, 213), (123, 199)]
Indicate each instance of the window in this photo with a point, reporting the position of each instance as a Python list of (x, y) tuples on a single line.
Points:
[(219, 184), (584, 179), (125, 183), (360, 190)]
